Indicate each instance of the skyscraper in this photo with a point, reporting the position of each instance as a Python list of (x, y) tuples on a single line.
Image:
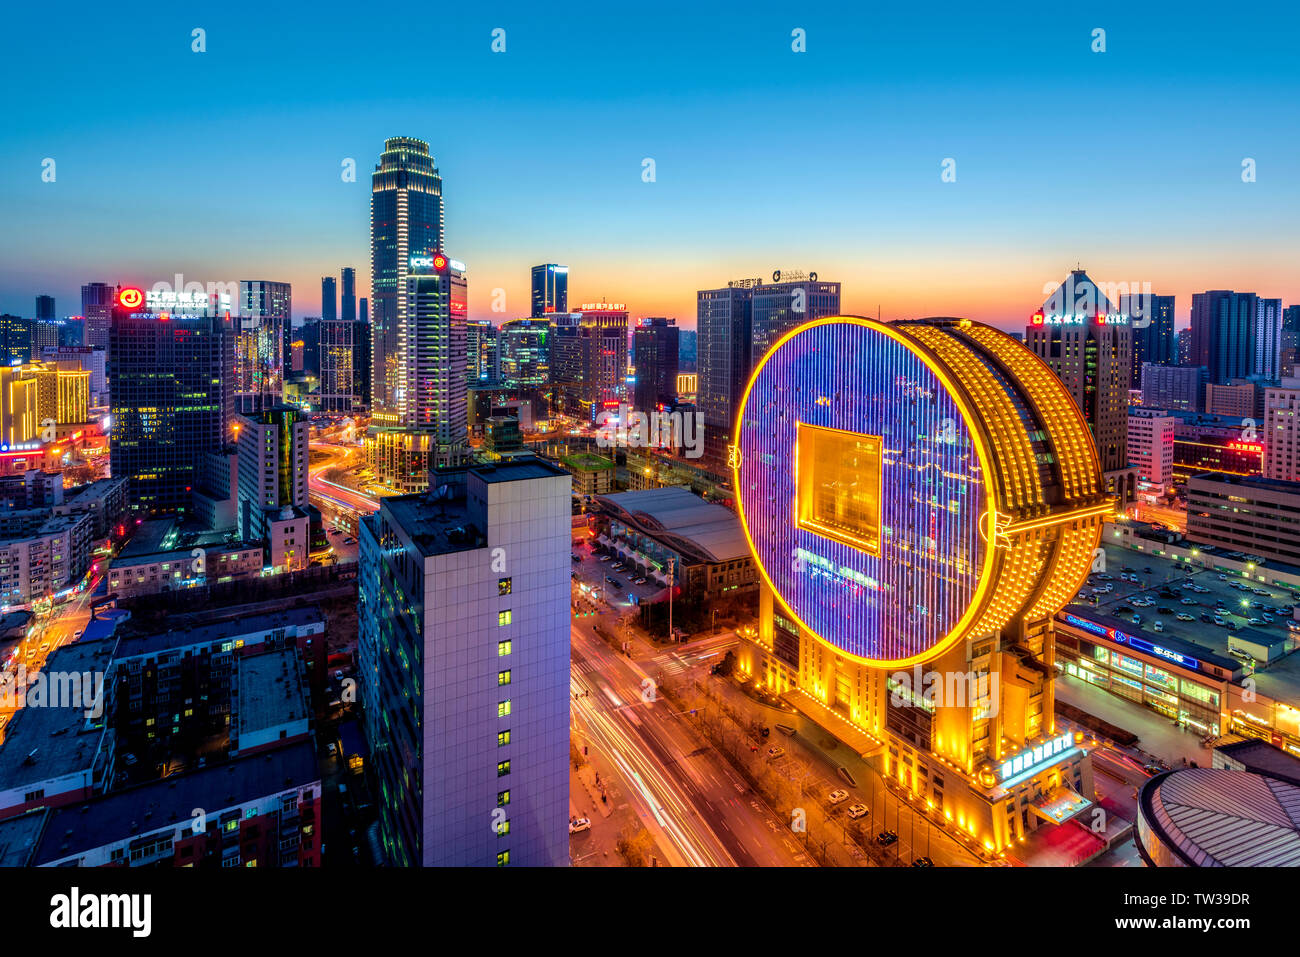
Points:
[(1088, 343), (172, 390), (588, 355), (329, 298), (723, 323), (97, 301), (429, 421), (265, 311), (1236, 334), (44, 308), (463, 645), (481, 352), (15, 340), (550, 289), (654, 348), (1282, 431), (273, 484), (787, 302), (1289, 354), (525, 353), (348, 301), (406, 222), (1152, 320), (338, 356)]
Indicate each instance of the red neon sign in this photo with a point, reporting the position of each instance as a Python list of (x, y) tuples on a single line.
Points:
[(131, 298), (440, 262)]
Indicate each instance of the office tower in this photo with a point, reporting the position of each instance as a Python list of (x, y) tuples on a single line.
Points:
[(265, 317), (15, 340), (1087, 342), (429, 421), (1281, 431), (883, 572), (365, 310), (307, 345), (361, 364), (463, 645), (1151, 447), (654, 352), (19, 408), (406, 222), (337, 365), (525, 353), (1151, 318), (1289, 342), (1236, 334), (481, 352), (1240, 397), (45, 308), (348, 301), (87, 358), (45, 335), (97, 301), (62, 392), (588, 358), (723, 326), (1252, 514), (329, 299), (273, 484), (172, 402), (1185, 346), (550, 289), (780, 306)]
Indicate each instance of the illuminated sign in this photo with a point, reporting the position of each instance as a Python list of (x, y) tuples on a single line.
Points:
[(1033, 759), (1139, 644), (1079, 319), (615, 306), (130, 298), (165, 300)]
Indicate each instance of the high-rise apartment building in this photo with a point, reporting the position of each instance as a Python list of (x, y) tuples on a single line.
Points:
[(655, 355), (1281, 431), (464, 664), (45, 308), (265, 315), (329, 299), (1289, 354), (406, 225), (172, 381), (588, 357), (1087, 342), (1236, 334), (1171, 388), (338, 357), (550, 289)]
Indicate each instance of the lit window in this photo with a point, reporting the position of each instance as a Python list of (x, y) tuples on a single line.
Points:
[(839, 485), (503, 768), (503, 858), (503, 738), (503, 798), (503, 617), (503, 677), (503, 708), (503, 586), (503, 648), (503, 829)]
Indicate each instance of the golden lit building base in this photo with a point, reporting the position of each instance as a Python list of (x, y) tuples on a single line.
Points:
[(845, 731), (1060, 805)]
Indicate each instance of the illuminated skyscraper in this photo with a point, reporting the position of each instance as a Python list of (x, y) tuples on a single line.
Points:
[(1151, 318), (406, 221), (654, 343), (1088, 343), (550, 289), (172, 378), (348, 300), (97, 300), (921, 498), (265, 309), (338, 356), (481, 353)]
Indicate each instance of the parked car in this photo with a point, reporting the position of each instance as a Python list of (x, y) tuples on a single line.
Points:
[(775, 751), (838, 796), (579, 824), (923, 862), (886, 838), (856, 811)]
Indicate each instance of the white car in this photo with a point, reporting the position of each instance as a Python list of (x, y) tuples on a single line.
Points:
[(579, 824), (838, 796), (857, 810), (775, 751)]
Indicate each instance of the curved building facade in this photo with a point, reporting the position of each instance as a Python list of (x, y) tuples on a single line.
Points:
[(922, 495)]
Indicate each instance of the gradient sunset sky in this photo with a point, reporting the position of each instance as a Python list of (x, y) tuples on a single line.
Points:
[(225, 165)]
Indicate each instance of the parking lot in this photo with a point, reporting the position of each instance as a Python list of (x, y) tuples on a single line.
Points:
[(594, 574)]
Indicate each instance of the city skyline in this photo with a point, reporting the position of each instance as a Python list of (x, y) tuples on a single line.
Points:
[(904, 243)]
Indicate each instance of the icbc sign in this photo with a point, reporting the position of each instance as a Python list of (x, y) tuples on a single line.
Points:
[(130, 298)]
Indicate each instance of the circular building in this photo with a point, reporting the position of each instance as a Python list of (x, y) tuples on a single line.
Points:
[(905, 486), (1214, 817)]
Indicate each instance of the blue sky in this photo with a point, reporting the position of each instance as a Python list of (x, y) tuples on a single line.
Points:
[(225, 164)]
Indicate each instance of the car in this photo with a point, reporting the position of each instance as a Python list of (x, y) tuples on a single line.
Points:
[(838, 796), (45, 646), (1255, 621), (923, 862), (605, 558), (1260, 591), (1137, 619), (1218, 620), (578, 824), (886, 838), (1146, 571), (1186, 617), (1243, 655), (1158, 626), (1223, 578), (1165, 610), (1189, 601), (775, 751), (78, 633), (349, 541), (618, 566), (642, 581), (576, 558), (1231, 625), (614, 581), (856, 811)]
